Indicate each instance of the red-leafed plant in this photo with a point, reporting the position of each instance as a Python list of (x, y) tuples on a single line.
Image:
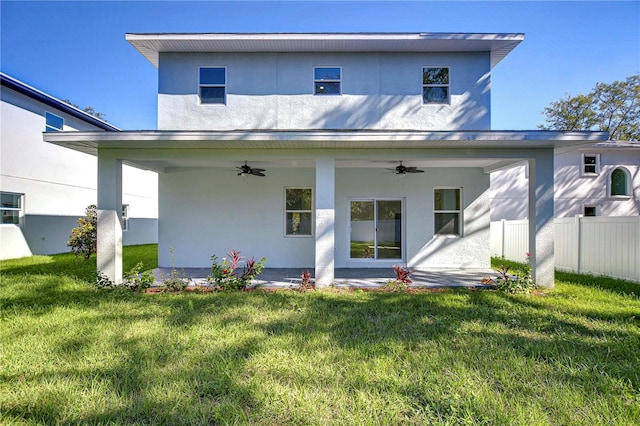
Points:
[(402, 280), (226, 274), (305, 284)]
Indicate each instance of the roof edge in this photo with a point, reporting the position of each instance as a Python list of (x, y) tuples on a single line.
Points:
[(23, 88)]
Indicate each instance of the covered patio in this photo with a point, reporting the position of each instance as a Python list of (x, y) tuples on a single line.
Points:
[(364, 278)]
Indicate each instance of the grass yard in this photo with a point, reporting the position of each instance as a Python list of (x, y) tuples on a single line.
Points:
[(72, 355)]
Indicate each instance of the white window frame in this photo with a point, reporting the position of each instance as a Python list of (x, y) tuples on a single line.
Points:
[(19, 209), (590, 206), (50, 128), (459, 212), (224, 86), (125, 217), (584, 165), (423, 85), (628, 188), (339, 81), (286, 211)]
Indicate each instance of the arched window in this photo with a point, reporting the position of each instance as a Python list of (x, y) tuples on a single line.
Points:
[(619, 185)]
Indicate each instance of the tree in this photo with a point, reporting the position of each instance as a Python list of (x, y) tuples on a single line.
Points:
[(84, 237), (613, 108), (89, 110)]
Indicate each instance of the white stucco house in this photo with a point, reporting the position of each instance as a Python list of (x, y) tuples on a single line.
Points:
[(45, 188), (376, 148), (602, 179)]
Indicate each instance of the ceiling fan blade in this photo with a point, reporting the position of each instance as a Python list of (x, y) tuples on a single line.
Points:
[(253, 172), (259, 170), (413, 170)]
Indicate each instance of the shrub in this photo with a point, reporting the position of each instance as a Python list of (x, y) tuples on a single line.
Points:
[(132, 280), (137, 281), (225, 274), (176, 281), (402, 280), (516, 282), (306, 284), (83, 239)]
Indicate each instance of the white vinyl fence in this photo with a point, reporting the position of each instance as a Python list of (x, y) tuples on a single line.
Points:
[(594, 245)]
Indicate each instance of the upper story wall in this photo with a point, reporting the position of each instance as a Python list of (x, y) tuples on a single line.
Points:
[(275, 91)]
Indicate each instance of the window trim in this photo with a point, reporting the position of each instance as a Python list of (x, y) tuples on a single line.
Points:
[(423, 85), (628, 188), (48, 127), (125, 217), (19, 209), (597, 165), (326, 81), (224, 86), (311, 234), (460, 213)]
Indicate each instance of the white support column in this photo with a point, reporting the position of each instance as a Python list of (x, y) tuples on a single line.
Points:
[(325, 220), (109, 257), (541, 216)]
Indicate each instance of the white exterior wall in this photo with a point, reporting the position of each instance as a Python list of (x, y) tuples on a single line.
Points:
[(58, 183), (572, 190), (275, 91), (210, 211)]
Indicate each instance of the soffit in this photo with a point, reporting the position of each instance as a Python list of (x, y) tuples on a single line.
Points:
[(498, 44)]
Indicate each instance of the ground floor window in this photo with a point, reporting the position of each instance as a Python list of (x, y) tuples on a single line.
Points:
[(590, 211), (298, 212), (11, 208), (375, 229), (447, 212)]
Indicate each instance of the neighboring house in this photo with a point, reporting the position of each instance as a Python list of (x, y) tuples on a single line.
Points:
[(599, 180), (327, 116), (45, 188)]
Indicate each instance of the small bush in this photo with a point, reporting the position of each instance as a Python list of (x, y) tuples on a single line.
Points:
[(84, 237), (176, 281), (306, 284), (137, 281), (402, 280), (517, 282), (225, 274)]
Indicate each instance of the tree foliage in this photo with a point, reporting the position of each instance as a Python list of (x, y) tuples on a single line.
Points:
[(84, 237), (614, 108), (89, 110)]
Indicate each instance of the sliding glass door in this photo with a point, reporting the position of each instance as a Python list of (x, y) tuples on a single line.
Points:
[(376, 229)]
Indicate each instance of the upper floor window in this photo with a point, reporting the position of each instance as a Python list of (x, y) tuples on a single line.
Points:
[(327, 80), (590, 164), (125, 217), (435, 85), (53, 123), (10, 208), (298, 211), (619, 183), (447, 211), (212, 85)]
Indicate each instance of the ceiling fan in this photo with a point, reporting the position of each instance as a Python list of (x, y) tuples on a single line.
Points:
[(403, 170), (246, 170)]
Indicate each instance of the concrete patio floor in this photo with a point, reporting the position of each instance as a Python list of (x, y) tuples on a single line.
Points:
[(348, 277)]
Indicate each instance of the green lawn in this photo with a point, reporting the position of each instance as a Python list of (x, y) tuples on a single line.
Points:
[(72, 355)]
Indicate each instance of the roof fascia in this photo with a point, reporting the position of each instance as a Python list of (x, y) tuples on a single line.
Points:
[(38, 95)]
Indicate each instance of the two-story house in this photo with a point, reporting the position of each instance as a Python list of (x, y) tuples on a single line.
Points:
[(45, 188), (376, 149), (598, 180)]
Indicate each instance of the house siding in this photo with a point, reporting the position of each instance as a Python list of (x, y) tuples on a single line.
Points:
[(275, 91), (58, 183)]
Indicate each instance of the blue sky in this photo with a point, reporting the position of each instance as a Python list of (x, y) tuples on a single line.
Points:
[(76, 50)]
